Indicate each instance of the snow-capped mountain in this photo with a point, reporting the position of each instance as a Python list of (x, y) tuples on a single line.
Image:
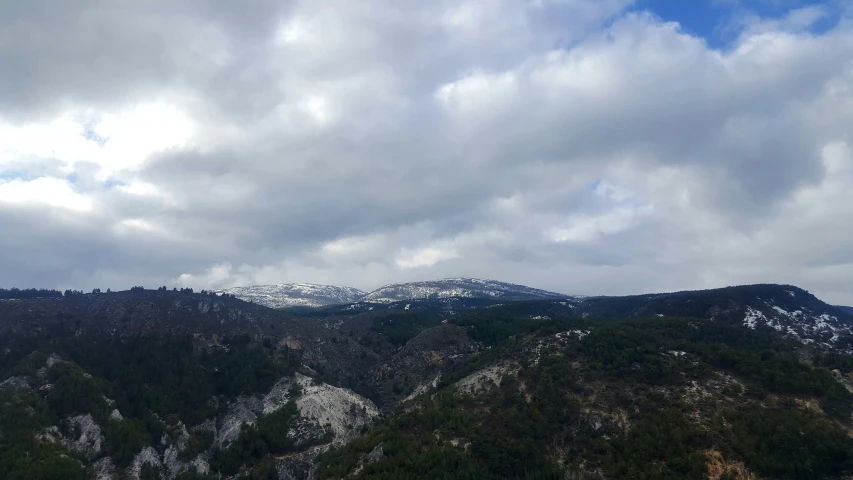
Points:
[(295, 294), (457, 287)]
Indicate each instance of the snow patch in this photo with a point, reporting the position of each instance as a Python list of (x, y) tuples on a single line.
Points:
[(752, 317)]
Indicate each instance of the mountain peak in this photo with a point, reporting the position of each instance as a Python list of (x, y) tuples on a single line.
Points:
[(457, 287)]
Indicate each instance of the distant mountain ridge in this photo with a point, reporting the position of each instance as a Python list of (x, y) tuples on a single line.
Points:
[(288, 295), (459, 288)]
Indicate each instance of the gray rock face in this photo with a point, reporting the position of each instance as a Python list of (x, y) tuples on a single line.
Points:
[(104, 469), (244, 411), (15, 383), (148, 456), (84, 435)]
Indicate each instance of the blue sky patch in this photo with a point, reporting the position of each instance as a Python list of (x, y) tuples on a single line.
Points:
[(719, 21)]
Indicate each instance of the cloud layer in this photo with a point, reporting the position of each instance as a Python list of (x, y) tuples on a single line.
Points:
[(579, 146)]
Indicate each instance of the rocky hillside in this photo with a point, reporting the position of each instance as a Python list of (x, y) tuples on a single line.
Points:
[(655, 399), (287, 295), (781, 310)]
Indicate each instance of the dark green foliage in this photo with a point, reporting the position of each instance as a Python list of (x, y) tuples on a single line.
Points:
[(771, 363), (628, 350), (662, 446), (494, 330), (398, 327), (245, 369), (262, 471), (177, 379), (22, 456), (789, 443), (268, 435), (149, 472), (512, 431), (199, 441), (834, 361), (31, 459), (193, 475), (74, 393), (17, 293), (124, 439)]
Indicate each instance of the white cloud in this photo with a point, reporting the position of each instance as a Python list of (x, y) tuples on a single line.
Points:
[(568, 144), (112, 141), (53, 192), (424, 257)]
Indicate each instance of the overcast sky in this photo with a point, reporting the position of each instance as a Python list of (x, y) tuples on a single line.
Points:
[(585, 147)]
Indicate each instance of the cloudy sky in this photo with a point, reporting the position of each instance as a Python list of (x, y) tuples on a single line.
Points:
[(588, 147)]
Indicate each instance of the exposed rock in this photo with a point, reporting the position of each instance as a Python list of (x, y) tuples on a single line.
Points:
[(148, 456), (719, 466), (244, 411), (278, 396), (84, 435), (343, 410), (485, 378), (374, 456), (419, 361), (15, 383), (104, 469), (300, 466), (423, 388)]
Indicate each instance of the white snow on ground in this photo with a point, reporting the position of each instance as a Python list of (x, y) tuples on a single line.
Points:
[(752, 317), (568, 335), (295, 294)]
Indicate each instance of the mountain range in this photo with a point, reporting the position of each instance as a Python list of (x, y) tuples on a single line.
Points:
[(454, 378), (311, 295), (285, 295)]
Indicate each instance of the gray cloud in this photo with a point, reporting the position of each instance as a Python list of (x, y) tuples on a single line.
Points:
[(566, 144)]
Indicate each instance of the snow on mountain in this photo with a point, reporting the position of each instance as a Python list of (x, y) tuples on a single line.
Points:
[(295, 294), (457, 287), (806, 324)]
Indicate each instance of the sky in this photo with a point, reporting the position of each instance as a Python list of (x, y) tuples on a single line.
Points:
[(585, 147)]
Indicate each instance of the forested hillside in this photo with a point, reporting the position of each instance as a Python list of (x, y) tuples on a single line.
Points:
[(173, 384)]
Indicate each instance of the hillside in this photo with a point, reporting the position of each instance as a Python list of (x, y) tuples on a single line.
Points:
[(159, 384), (657, 399)]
